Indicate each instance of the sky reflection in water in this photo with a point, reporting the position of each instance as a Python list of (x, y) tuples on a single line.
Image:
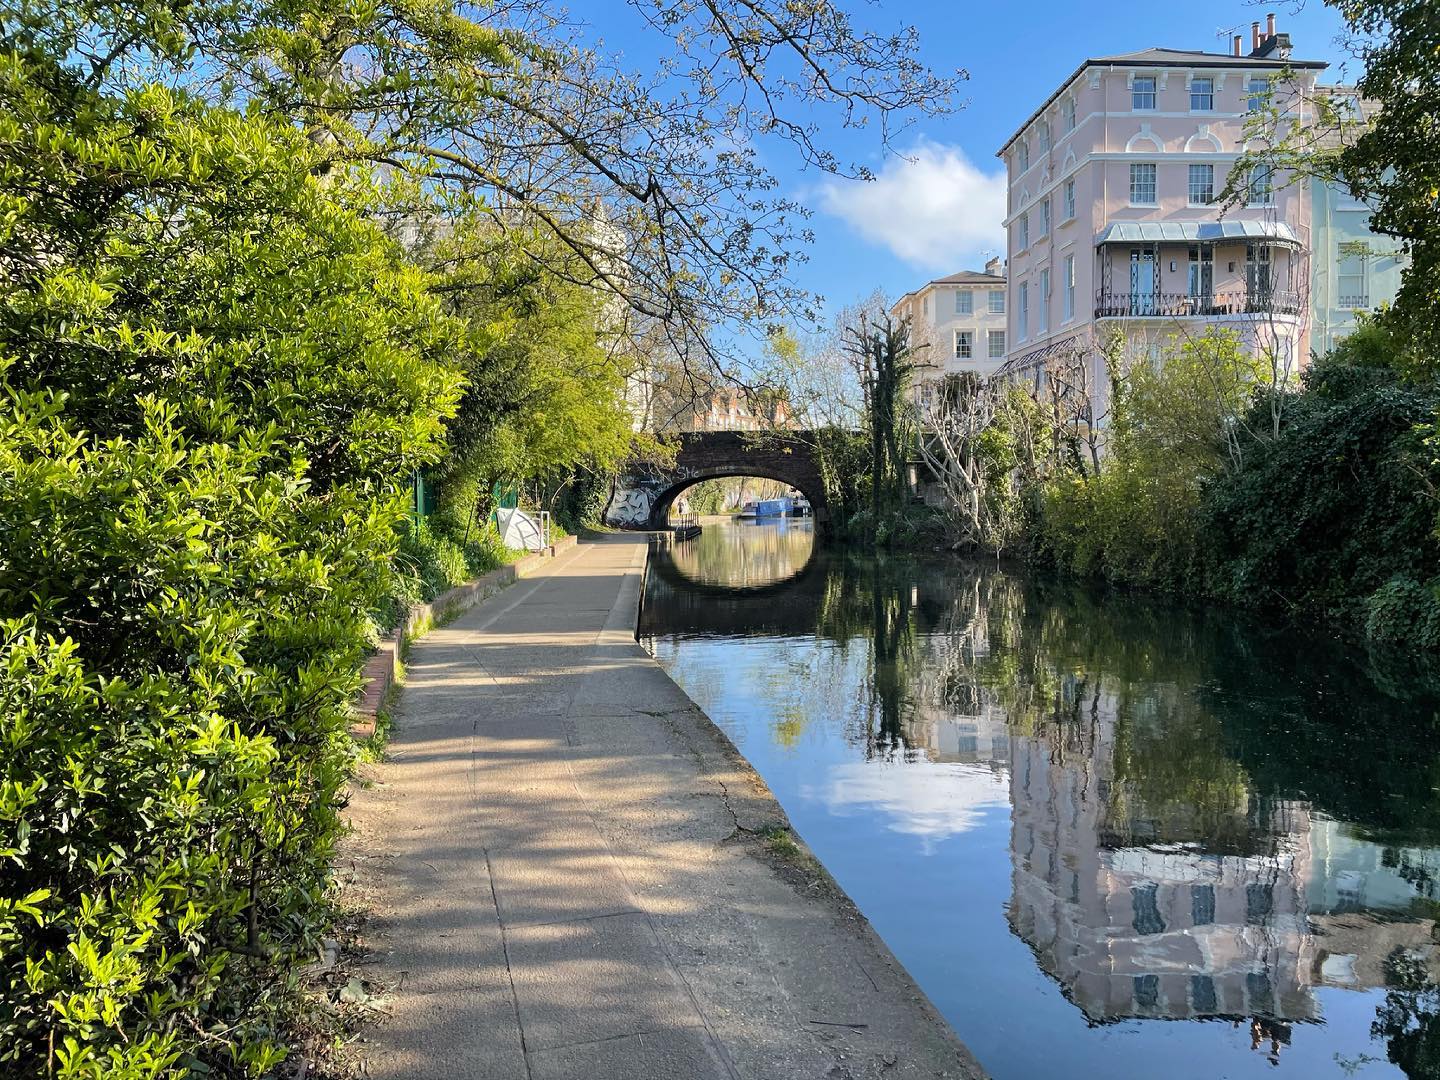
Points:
[(1075, 817)]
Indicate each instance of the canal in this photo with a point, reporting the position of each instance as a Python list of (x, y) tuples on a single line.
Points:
[(1109, 836)]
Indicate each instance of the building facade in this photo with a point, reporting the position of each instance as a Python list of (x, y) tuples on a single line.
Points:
[(1353, 269), (958, 323), (1114, 222)]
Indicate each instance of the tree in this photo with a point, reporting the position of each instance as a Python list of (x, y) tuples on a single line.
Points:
[(880, 352), (955, 419), (217, 376)]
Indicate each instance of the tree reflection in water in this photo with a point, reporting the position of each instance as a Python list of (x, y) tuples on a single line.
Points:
[(1210, 817)]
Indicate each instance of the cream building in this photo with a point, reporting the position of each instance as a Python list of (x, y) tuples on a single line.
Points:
[(1113, 219), (959, 323)]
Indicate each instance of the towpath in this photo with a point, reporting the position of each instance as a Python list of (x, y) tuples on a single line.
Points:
[(576, 876)]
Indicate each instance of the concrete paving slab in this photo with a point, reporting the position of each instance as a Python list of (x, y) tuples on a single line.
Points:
[(686, 1054), (594, 979), (556, 878)]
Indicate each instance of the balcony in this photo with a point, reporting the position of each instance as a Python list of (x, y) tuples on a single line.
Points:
[(1124, 304), (1355, 301)]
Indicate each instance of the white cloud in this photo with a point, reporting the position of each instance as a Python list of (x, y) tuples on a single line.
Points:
[(931, 800), (933, 208)]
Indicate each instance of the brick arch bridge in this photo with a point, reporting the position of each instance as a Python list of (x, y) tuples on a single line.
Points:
[(644, 491)]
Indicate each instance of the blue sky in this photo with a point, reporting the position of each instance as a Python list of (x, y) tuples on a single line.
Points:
[(939, 211)]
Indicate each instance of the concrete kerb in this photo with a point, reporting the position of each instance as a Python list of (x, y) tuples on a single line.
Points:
[(384, 665)]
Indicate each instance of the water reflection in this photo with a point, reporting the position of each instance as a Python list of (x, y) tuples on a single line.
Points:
[(1169, 815)]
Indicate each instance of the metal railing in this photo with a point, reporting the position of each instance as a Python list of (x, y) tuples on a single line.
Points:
[(683, 521), (1115, 304), (1355, 301)]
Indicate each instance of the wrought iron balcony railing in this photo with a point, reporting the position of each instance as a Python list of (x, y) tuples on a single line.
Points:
[(1355, 301), (1124, 304)]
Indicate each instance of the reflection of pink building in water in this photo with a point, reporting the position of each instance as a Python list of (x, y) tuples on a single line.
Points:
[(1114, 220), (1164, 929), (1139, 915)]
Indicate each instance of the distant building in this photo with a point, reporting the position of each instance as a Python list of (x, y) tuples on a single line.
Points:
[(958, 322), (1113, 221), (729, 408), (1353, 269)]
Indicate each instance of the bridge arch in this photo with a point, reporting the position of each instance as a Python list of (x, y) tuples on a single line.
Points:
[(644, 493)]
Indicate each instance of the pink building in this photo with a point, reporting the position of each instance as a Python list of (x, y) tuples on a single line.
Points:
[(1113, 219)]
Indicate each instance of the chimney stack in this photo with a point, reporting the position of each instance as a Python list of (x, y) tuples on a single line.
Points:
[(1255, 36), (993, 267), (1270, 25), (1236, 44)]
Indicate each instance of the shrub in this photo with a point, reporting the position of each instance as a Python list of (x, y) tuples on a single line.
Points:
[(213, 369), (1406, 611)]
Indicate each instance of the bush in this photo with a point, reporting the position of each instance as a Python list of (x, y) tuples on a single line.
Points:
[(212, 369), (1406, 611)]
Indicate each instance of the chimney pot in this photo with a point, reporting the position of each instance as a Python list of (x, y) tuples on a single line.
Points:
[(1236, 44), (1270, 25), (1255, 36)]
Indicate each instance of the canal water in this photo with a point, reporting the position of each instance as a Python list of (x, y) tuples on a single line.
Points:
[(1108, 836)]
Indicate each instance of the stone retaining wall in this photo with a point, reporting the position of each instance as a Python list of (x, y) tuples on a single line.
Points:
[(383, 666)]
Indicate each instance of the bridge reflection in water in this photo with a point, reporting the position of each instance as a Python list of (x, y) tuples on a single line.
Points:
[(1166, 815)]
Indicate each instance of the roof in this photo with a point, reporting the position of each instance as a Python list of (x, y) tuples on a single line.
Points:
[(1158, 57), (969, 277), (1149, 232)]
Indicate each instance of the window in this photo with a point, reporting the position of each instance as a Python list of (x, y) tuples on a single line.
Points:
[(1022, 154), (1262, 186), (1042, 319), (1257, 276), (1144, 901), (1202, 904), (964, 302), (1045, 217), (1202, 994), (1069, 200), (996, 339), (1202, 185), (964, 344), (1067, 113), (1259, 92), (1142, 185), (1146, 991), (1350, 281), (1044, 136), (1202, 95), (1025, 230), (1202, 271), (1069, 280), (1259, 902), (1142, 92), (925, 306), (1022, 323), (997, 301)]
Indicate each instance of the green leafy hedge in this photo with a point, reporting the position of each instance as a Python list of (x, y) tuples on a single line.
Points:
[(212, 370)]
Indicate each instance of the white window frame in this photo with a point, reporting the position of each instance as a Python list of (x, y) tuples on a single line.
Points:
[(1255, 98), (964, 344), (1045, 217), (964, 302), (1043, 133), (1154, 183), (1022, 154), (1351, 298), (1022, 317), (1069, 281), (1208, 94), (1138, 95), (1069, 200), (1024, 230), (1208, 186), (1042, 322), (1067, 113), (1260, 196), (991, 338), (994, 307)]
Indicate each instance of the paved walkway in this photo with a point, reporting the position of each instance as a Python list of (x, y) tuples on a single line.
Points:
[(573, 879)]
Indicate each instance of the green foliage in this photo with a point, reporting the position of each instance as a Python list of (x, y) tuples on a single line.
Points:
[(1172, 433), (213, 368), (1404, 610), (1340, 505)]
